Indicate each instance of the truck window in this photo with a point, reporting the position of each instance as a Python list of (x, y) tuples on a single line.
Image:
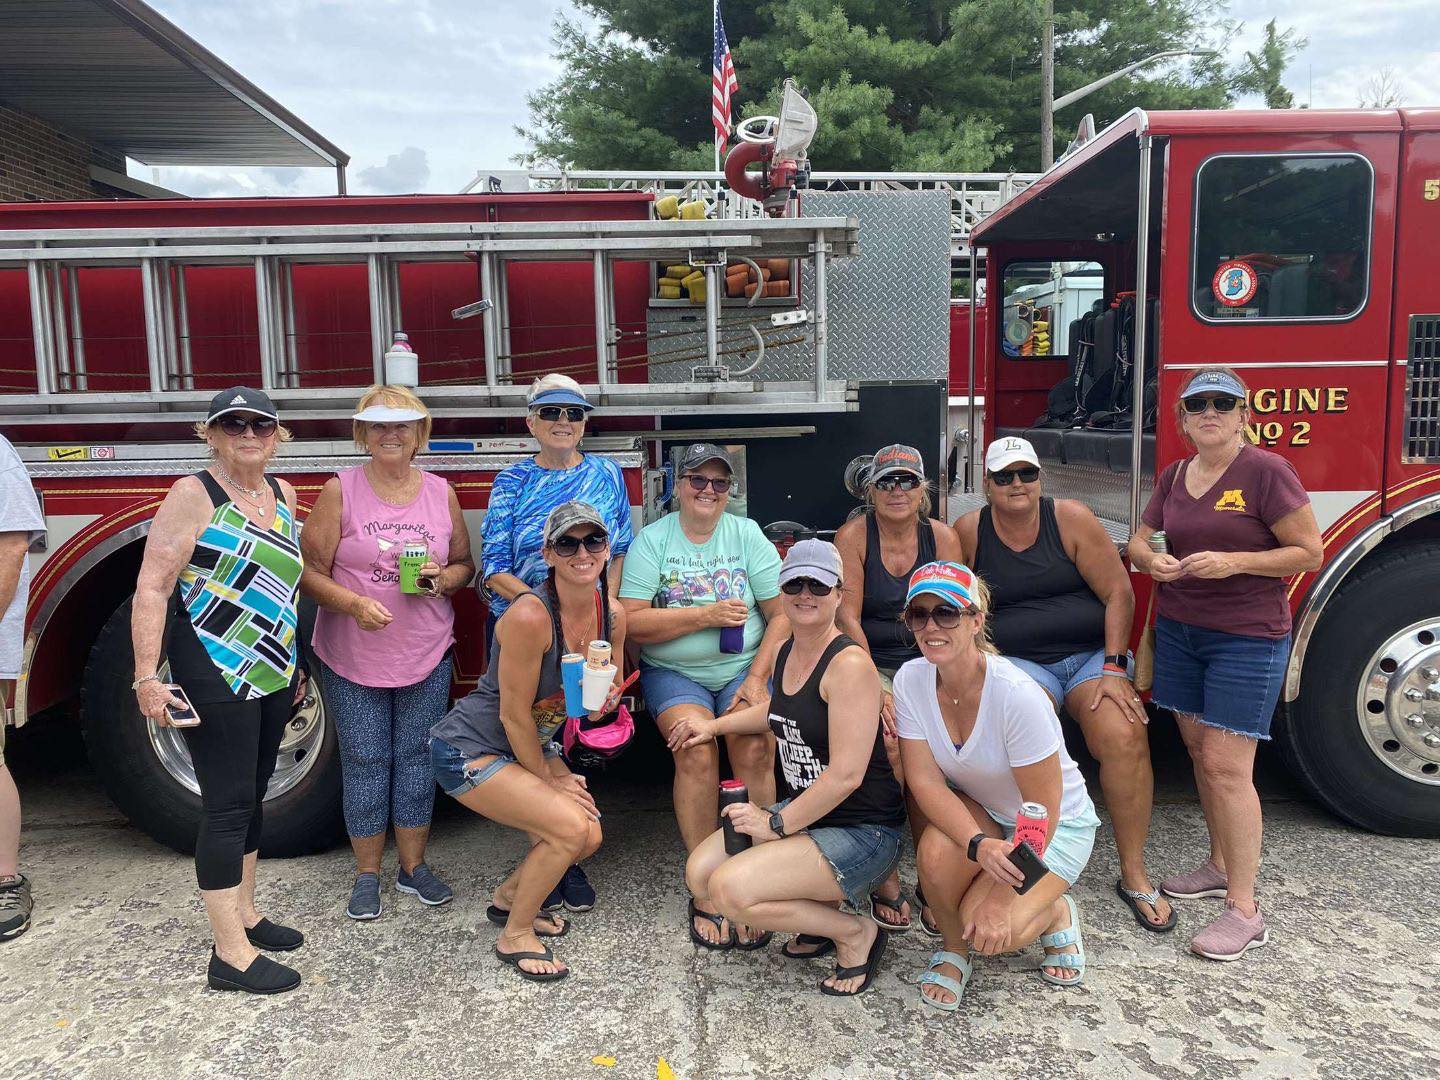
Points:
[(1282, 237), (1042, 300)]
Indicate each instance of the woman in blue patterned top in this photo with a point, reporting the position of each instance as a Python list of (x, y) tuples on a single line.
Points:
[(512, 556)]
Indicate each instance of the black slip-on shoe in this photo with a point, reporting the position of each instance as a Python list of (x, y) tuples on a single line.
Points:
[(268, 935), (263, 976)]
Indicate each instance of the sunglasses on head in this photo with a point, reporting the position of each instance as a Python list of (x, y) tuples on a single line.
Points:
[(552, 413), (721, 484), (567, 545), (1027, 475), (262, 426), (945, 616), (904, 483), (1223, 403), (794, 586)]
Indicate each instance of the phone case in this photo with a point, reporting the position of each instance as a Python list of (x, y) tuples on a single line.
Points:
[(1024, 859)]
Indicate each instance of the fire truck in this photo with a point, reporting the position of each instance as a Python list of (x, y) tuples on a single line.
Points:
[(1296, 247)]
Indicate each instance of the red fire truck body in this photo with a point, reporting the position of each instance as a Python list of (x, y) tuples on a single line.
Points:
[(1298, 248)]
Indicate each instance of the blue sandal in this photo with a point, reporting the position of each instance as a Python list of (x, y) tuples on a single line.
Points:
[(1069, 936), (945, 982)]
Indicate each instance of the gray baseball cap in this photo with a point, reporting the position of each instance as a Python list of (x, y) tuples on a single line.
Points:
[(698, 454), (569, 514), (816, 559)]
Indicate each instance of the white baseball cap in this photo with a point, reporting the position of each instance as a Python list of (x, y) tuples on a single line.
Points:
[(1008, 450)]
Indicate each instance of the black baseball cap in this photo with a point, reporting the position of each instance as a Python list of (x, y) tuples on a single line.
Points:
[(698, 454), (241, 399)]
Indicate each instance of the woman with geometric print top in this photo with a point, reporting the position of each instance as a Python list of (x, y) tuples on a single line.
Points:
[(222, 567)]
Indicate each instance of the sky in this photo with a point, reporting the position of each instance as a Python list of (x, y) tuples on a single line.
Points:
[(423, 93)]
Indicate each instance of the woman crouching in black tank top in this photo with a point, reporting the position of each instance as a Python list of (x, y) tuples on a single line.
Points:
[(835, 834)]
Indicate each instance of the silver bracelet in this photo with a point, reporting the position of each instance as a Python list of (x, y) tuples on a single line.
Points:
[(144, 679)]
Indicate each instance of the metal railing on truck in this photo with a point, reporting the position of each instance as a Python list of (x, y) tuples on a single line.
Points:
[(163, 254)]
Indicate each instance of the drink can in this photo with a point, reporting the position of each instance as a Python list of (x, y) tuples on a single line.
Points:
[(1159, 544), (1032, 825), (412, 557), (733, 791), (599, 654)]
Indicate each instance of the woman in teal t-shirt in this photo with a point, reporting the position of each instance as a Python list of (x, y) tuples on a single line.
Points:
[(688, 577)]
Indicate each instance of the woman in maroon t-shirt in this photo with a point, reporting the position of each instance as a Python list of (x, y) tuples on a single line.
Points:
[(1237, 522)]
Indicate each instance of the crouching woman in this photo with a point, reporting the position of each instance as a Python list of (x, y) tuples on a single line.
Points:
[(835, 834), (978, 737)]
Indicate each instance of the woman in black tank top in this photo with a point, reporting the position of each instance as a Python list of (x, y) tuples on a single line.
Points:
[(1061, 611), (835, 834)]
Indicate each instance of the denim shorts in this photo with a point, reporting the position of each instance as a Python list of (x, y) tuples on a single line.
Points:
[(1228, 681), (1059, 678), (455, 780), (1069, 849), (861, 856), (665, 688)]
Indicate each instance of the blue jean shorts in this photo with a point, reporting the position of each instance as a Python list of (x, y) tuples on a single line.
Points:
[(1059, 678), (665, 688), (455, 779), (861, 856), (1228, 681), (1069, 849)]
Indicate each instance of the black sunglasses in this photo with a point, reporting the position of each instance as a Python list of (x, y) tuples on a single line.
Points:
[(794, 586), (567, 545), (1027, 475), (945, 616), (262, 426), (700, 483), (904, 483), (552, 413), (1223, 403)]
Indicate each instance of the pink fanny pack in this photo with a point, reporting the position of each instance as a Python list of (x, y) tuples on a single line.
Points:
[(593, 744)]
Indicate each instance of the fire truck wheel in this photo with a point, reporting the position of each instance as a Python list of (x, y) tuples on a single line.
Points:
[(1364, 734), (146, 769)]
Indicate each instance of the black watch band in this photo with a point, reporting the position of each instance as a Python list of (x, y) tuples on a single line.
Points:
[(973, 851), (1119, 660), (777, 824)]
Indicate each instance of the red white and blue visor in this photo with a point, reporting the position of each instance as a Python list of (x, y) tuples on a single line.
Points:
[(951, 581)]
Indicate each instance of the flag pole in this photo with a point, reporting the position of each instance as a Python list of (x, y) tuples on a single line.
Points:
[(714, 22)]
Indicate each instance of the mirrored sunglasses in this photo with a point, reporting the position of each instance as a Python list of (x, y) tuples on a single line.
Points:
[(552, 413), (904, 483)]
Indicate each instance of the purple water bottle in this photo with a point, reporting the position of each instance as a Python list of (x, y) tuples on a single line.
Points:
[(732, 638)]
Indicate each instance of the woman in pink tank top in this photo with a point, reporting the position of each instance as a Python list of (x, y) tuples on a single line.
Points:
[(385, 654)]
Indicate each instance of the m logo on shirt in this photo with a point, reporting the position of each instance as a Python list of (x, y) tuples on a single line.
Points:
[(1234, 499)]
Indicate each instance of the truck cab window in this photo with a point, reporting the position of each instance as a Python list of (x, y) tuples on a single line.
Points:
[(1042, 301), (1282, 237)]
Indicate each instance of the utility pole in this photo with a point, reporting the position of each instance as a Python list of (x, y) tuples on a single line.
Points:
[(1047, 87)]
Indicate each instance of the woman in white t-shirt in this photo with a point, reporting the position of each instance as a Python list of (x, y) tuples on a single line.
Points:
[(978, 737)]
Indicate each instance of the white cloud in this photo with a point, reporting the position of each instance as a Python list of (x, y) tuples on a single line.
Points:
[(406, 171)]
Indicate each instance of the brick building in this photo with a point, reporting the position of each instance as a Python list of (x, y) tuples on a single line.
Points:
[(86, 84)]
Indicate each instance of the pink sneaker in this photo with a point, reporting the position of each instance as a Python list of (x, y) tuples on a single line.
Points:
[(1208, 880), (1232, 935)]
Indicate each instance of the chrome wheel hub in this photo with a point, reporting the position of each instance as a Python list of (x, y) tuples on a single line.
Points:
[(1399, 702)]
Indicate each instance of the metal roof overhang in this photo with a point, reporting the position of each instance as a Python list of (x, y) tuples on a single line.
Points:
[(120, 75)]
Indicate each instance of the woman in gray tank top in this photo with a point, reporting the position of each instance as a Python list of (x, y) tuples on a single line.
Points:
[(493, 751)]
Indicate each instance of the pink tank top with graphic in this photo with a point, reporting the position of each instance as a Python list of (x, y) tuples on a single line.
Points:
[(372, 535)]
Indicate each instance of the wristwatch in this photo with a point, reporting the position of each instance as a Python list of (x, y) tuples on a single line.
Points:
[(973, 851), (1118, 660), (777, 824)]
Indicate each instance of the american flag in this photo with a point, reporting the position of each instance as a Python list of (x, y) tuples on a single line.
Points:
[(722, 85)]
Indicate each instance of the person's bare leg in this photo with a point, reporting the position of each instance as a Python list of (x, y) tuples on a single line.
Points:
[(1122, 748), (369, 850), (752, 758), (9, 825), (1042, 911), (897, 913), (946, 875), (1235, 813), (504, 896), (222, 908), (245, 898), (1192, 734), (696, 795), (410, 844)]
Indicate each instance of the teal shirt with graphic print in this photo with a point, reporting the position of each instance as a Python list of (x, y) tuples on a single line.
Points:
[(736, 563)]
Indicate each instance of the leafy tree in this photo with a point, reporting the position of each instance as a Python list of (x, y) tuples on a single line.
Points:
[(936, 85), (1267, 66)]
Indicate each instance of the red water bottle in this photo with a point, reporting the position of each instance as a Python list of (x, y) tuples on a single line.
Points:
[(731, 792), (1032, 826)]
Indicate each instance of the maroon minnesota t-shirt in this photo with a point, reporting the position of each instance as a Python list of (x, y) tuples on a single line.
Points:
[(1236, 514)]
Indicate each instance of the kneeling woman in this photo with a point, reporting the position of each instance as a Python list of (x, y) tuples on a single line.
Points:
[(493, 751), (978, 736), (835, 834)]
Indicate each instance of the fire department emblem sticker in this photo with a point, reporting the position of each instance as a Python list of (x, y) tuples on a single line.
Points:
[(1235, 283)]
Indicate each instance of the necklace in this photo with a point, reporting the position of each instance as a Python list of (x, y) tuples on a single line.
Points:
[(257, 495), (940, 685)]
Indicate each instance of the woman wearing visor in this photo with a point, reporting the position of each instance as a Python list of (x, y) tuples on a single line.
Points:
[(386, 654), (1061, 608), (512, 557), (1237, 523)]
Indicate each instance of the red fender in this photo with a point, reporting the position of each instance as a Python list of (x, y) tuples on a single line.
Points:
[(750, 185)]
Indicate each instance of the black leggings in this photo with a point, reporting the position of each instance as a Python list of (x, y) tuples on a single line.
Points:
[(233, 749)]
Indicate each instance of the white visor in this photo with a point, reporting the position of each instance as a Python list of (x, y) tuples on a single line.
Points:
[(387, 414)]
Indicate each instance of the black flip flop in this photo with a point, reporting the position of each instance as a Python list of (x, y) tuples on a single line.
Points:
[(867, 969), (725, 944), (931, 927), (500, 917), (894, 928), (825, 946), (514, 958), (1153, 899), (759, 943)]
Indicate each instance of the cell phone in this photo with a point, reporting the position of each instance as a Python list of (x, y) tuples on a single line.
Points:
[(183, 717), (1024, 859)]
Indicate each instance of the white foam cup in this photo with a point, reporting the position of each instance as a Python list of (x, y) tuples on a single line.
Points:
[(595, 686)]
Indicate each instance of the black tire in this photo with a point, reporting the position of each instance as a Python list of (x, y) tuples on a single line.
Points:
[(302, 821), (1319, 733)]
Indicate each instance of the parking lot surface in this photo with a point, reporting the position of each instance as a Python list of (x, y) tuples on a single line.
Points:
[(109, 982)]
